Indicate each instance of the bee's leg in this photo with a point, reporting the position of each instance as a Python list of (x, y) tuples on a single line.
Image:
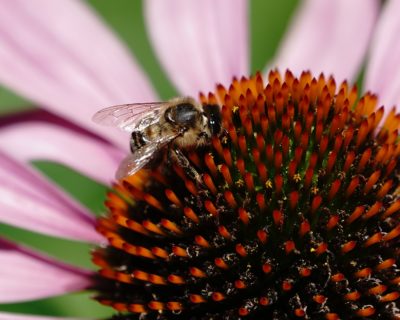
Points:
[(177, 156)]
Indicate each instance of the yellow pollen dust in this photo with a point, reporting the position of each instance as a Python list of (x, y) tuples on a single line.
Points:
[(297, 177), (240, 183), (314, 190)]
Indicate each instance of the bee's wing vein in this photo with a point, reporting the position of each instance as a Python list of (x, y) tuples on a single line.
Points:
[(126, 116)]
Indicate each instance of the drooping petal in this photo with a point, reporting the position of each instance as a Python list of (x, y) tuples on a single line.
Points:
[(60, 55), (199, 43), (383, 70), (40, 114), (29, 201), (328, 36), (44, 141), (27, 275), (13, 316)]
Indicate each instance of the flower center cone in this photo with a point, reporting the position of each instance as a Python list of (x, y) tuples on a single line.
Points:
[(295, 214)]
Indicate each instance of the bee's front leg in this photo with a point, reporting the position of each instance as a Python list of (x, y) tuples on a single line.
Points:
[(177, 156)]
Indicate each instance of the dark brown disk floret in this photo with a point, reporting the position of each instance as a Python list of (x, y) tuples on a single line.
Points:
[(296, 214)]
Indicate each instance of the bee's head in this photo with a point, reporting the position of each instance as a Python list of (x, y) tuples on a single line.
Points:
[(200, 123)]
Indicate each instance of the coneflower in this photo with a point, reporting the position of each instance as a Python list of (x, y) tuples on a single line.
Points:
[(295, 216)]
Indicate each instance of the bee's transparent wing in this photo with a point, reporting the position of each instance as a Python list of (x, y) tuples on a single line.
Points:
[(137, 160), (130, 117)]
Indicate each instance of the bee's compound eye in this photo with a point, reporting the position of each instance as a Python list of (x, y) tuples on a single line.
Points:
[(214, 118), (215, 126), (186, 114)]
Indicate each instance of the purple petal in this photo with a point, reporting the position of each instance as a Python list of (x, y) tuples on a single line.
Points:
[(38, 114), (27, 275), (29, 201), (11, 316), (383, 70), (200, 43), (44, 141), (60, 55), (328, 36)]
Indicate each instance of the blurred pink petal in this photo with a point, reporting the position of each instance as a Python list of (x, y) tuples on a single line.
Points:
[(26, 275), (200, 43), (328, 36), (383, 70), (60, 55), (11, 316), (29, 201), (37, 140)]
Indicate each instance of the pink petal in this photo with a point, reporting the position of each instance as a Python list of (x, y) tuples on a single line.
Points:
[(44, 141), (59, 54), (26, 275), (383, 70), (11, 316), (200, 43), (28, 200), (328, 36)]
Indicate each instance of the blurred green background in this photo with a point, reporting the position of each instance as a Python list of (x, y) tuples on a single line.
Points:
[(268, 21)]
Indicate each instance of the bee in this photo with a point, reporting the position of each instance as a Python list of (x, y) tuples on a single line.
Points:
[(175, 125)]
